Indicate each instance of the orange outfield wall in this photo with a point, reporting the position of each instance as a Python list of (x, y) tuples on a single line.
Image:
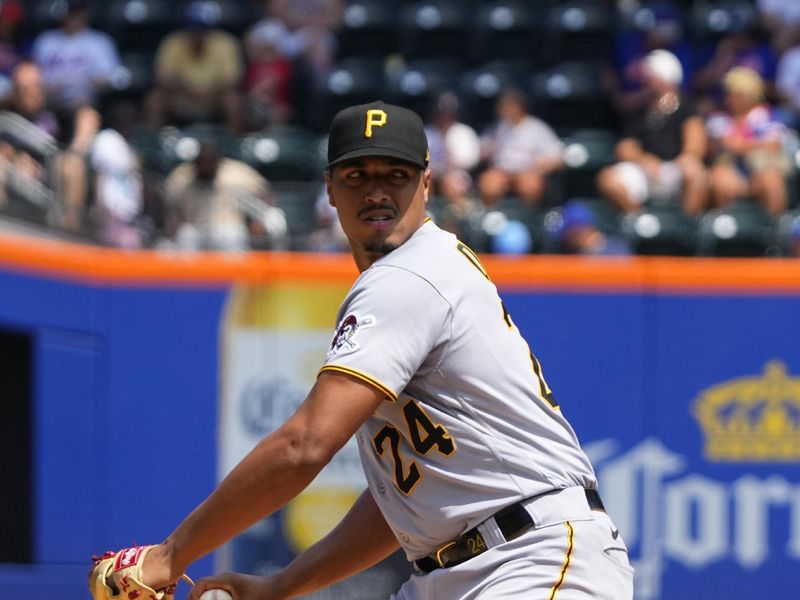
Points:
[(105, 266)]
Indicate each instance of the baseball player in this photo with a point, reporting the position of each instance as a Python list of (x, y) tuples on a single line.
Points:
[(471, 467)]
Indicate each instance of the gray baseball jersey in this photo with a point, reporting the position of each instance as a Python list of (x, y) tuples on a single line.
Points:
[(469, 425)]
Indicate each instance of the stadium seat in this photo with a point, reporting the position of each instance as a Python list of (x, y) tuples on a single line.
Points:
[(479, 88), (234, 16), (788, 232), (571, 96), (134, 77), (298, 201), (586, 151), (661, 230), (287, 153), (45, 14), (182, 144), (507, 29), (741, 229), (711, 20), (369, 28), (417, 85), (435, 29), (351, 81), (139, 25), (578, 30)]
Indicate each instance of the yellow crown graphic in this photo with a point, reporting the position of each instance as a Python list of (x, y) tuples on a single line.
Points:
[(752, 419)]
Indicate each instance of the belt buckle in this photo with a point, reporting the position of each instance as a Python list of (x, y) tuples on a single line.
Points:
[(444, 548)]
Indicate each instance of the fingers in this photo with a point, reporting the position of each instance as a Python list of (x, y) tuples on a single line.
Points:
[(224, 581)]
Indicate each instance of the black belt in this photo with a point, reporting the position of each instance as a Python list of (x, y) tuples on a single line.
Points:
[(512, 521)]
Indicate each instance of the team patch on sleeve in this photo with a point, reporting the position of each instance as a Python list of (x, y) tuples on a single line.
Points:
[(344, 340)]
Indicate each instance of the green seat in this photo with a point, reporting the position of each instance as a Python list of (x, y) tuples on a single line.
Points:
[(287, 153), (661, 230), (741, 229), (788, 232), (177, 145), (298, 201), (586, 151)]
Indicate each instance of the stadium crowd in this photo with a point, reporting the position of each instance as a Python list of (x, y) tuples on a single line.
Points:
[(563, 126)]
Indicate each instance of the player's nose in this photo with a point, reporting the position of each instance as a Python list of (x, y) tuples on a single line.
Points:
[(376, 192)]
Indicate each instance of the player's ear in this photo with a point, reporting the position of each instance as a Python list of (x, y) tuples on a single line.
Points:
[(426, 183), (326, 175)]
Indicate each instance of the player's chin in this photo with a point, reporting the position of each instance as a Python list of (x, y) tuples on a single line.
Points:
[(381, 247)]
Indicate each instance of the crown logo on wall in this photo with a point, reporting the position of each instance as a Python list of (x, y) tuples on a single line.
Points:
[(752, 419)]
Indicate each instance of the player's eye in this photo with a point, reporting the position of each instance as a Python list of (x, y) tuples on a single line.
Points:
[(399, 175), (354, 176)]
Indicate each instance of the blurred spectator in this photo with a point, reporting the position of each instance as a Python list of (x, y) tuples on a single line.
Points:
[(78, 63), (328, 235), (117, 173), (787, 80), (218, 203), (656, 26), (312, 26), (454, 151), (28, 101), (794, 249), (508, 237), (268, 77), (662, 148), (13, 48), (743, 46), (747, 153), (782, 20), (198, 70), (521, 151), (576, 232)]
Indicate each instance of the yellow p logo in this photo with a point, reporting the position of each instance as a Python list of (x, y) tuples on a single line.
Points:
[(375, 118)]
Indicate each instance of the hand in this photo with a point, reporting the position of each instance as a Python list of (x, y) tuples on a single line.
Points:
[(241, 587), (157, 568)]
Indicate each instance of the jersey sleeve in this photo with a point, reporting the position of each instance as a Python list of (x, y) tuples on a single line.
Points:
[(390, 323)]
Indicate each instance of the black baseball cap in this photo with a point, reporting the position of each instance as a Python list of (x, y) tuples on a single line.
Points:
[(377, 129)]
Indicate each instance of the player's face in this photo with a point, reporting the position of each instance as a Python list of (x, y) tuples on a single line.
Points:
[(381, 203)]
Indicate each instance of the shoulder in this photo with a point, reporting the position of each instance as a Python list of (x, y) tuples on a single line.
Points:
[(222, 40), (48, 37), (241, 171), (430, 255), (97, 36), (176, 39)]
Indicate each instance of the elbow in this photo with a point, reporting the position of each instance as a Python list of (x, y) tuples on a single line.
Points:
[(304, 450)]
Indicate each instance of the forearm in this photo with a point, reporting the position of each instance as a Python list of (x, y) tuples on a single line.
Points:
[(360, 540), (273, 473)]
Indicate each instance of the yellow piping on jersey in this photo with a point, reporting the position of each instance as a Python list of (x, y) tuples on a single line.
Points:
[(567, 561), (363, 377)]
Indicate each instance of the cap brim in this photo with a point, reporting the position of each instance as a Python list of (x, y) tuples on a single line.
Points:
[(379, 152)]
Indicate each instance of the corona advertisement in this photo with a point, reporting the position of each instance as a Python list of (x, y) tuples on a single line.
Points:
[(733, 513)]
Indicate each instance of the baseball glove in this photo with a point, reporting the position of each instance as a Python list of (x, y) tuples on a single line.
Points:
[(118, 576)]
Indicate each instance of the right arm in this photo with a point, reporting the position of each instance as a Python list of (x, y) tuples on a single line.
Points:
[(273, 473), (359, 541)]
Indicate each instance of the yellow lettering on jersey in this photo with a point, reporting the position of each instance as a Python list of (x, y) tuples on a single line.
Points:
[(476, 544), (375, 118)]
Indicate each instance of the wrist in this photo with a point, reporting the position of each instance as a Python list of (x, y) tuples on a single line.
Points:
[(167, 557)]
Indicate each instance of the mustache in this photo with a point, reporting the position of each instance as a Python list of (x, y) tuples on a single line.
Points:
[(367, 209)]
